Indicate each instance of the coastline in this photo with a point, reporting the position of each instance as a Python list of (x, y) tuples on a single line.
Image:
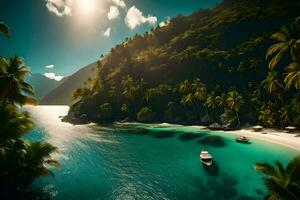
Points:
[(275, 136), (290, 140)]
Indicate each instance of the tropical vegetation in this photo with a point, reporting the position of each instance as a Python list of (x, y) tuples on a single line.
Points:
[(282, 182), (190, 72), (21, 161)]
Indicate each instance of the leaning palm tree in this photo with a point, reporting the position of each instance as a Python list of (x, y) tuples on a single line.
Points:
[(235, 101), (292, 77), (13, 87), (282, 182), (272, 83), (288, 41), (4, 30)]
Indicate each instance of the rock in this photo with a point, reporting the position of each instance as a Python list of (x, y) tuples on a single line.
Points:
[(215, 126)]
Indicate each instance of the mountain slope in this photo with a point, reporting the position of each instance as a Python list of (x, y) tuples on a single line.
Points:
[(41, 84), (62, 94), (224, 47)]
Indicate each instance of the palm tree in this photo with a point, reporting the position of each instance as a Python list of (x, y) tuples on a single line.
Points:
[(284, 115), (4, 30), (282, 182), (187, 100), (197, 83), (212, 101), (184, 87), (14, 88), (266, 116), (235, 101), (22, 162), (38, 158), (288, 40), (13, 124), (293, 76), (130, 90), (222, 101), (81, 93), (149, 94), (272, 83)]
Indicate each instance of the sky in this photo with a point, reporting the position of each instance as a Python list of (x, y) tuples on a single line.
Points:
[(58, 37)]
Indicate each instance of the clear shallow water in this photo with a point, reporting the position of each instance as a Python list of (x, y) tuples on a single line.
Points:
[(157, 161)]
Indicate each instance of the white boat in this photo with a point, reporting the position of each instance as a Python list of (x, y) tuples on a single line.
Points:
[(206, 158), (242, 139)]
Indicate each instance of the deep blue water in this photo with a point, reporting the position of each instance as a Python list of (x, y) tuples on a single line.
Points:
[(154, 161)]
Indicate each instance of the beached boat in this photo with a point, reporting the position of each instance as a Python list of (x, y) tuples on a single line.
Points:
[(257, 128), (206, 158), (290, 129), (242, 139)]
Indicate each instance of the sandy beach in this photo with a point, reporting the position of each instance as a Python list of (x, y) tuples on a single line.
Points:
[(291, 140)]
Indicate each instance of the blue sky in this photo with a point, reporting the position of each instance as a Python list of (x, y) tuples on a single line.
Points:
[(65, 35)]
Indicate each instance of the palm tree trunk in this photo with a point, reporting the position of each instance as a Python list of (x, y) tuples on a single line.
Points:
[(239, 122)]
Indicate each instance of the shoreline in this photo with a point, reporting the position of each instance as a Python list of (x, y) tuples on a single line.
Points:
[(275, 136), (290, 140)]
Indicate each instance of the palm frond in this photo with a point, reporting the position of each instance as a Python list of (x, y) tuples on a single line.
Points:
[(275, 48), (276, 59), (4, 29), (265, 168), (280, 36)]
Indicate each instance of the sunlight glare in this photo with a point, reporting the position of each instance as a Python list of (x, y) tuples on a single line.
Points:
[(86, 7)]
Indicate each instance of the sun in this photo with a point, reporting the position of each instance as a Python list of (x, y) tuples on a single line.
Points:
[(86, 7)]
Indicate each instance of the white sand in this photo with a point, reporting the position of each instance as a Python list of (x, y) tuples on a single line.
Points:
[(290, 140)]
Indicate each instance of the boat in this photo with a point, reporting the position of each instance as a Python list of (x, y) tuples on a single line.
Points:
[(242, 139), (257, 128), (206, 158), (290, 129)]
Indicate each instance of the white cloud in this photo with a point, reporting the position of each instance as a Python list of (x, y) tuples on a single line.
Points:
[(49, 66), (59, 7), (53, 76), (120, 3), (113, 13), (135, 18), (107, 32), (164, 23)]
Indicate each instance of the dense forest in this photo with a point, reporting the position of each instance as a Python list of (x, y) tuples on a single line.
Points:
[(237, 63)]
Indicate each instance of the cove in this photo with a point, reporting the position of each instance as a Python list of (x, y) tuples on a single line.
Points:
[(148, 161)]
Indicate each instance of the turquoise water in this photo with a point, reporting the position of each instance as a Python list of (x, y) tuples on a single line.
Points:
[(157, 161)]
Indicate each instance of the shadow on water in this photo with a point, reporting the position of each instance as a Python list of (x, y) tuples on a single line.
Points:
[(191, 136), (213, 170), (221, 188), (215, 141), (163, 134), (133, 131), (246, 198), (224, 187), (259, 192)]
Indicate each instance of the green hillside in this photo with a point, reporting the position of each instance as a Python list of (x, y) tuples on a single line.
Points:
[(186, 71)]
